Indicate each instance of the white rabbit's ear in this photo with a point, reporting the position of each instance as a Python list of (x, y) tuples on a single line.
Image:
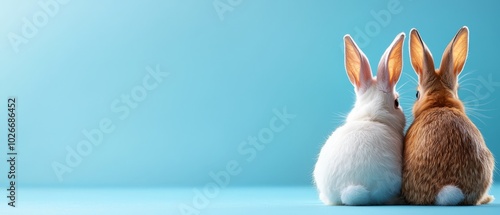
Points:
[(357, 66), (391, 64), (421, 57), (454, 56)]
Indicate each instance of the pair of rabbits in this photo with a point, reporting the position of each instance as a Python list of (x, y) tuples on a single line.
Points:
[(442, 159)]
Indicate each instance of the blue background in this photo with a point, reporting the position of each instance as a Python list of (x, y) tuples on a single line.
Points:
[(226, 76)]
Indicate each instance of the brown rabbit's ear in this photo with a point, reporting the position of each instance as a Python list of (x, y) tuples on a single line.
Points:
[(421, 57), (454, 56), (391, 64), (357, 66)]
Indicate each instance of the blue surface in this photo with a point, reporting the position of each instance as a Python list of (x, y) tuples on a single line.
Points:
[(230, 78), (225, 79), (249, 200)]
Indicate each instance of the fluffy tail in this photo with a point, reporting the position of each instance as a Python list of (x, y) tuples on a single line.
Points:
[(355, 195), (449, 195)]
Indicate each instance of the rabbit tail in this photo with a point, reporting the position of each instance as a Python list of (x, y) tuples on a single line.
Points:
[(450, 195), (355, 195)]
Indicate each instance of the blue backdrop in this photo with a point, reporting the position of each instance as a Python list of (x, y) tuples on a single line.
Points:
[(186, 92)]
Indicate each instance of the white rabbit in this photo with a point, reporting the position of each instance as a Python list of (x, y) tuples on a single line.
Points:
[(361, 162)]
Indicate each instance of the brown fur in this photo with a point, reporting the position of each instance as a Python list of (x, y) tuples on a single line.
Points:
[(442, 146)]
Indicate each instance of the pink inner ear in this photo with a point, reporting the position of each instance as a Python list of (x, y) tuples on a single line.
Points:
[(390, 65)]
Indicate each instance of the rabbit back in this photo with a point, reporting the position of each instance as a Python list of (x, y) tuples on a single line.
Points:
[(362, 153), (443, 147)]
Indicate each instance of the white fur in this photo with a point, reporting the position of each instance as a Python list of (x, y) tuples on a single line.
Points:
[(449, 195), (361, 162), (355, 195)]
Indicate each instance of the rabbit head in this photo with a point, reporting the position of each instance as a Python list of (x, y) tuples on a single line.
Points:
[(438, 87), (376, 97)]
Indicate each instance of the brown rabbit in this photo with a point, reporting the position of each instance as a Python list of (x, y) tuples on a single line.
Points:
[(446, 161)]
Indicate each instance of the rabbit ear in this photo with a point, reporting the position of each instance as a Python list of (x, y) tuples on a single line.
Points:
[(357, 66), (454, 56), (391, 64), (421, 57)]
